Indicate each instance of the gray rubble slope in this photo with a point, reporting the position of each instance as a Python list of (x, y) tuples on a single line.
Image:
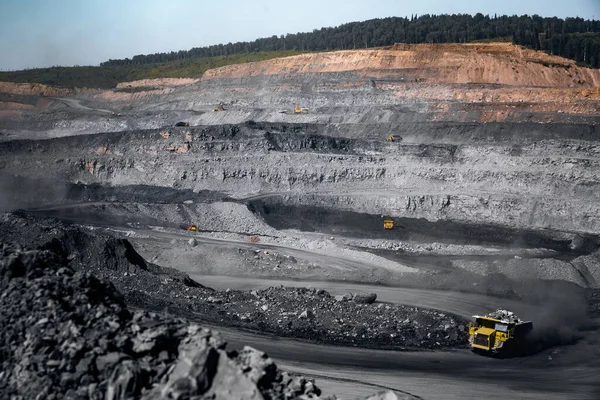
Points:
[(81, 341)]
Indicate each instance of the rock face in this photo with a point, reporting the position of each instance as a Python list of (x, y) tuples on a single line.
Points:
[(451, 63), (67, 334)]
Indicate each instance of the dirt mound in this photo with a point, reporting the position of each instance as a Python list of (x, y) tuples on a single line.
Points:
[(110, 258), (493, 63), (104, 253), (82, 342)]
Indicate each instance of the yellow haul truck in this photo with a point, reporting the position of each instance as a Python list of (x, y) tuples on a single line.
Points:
[(498, 333)]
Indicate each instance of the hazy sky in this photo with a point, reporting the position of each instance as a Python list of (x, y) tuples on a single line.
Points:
[(40, 33)]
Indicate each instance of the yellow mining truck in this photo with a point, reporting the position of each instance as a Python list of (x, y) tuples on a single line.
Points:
[(193, 228), (300, 110), (499, 333), (388, 223)]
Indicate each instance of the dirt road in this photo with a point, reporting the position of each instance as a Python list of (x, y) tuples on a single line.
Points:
[(568, 372), (564, 372)]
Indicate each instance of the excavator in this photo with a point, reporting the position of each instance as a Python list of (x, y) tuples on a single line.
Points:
[(219, 108), (300, 110), (390, 138)]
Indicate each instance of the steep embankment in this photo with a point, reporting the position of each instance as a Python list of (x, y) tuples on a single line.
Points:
[(495, 63)]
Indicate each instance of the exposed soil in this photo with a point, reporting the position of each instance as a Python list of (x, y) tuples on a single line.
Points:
[(497, 63)]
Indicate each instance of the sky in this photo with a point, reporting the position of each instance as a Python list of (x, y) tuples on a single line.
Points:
[(43, 33)]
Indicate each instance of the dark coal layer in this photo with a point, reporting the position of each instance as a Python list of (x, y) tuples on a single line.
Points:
[(362, 225)]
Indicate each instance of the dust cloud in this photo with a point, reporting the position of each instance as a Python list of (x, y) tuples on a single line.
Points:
[(18, 193), (560, 316)]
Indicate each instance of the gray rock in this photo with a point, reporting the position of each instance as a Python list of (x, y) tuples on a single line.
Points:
[(108, 360), (343, 297), (364, 298), (389, 395), (126, 381), (192, 242), (257, 365), (231, 383), (214, 300), (307, 314)]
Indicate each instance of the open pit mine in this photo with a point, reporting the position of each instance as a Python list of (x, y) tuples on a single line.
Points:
[(346, 213)]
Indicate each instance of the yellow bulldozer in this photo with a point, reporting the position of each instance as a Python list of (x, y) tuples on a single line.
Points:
[(300, 110), (390, 138)]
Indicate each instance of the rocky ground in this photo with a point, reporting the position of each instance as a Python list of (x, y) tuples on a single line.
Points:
[(354, 319), (81, 341)]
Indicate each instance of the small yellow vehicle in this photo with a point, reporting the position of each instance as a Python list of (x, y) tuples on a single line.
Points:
[(300, 110), (499, 333), (193, 228), (388, 223), (218, 109)]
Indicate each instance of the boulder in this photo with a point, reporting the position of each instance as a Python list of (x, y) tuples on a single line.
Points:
[(364, 298), (192, 242), (389, 395), (125, 382), (307, 314), (343, 297)]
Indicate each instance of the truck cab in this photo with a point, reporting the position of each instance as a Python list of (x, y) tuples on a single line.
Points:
[(495, 336)]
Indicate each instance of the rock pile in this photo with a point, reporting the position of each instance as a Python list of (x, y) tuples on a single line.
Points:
[(505, 315), (69, 335), (351, 320)]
